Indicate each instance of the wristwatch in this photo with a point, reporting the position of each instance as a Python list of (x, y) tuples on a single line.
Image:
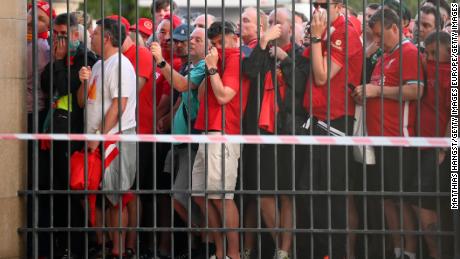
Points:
[(211, 71), (315, 39), (162, 64)]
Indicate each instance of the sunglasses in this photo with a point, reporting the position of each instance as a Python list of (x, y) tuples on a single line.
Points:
[(323, 5)]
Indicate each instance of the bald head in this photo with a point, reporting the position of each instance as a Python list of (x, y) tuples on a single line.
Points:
[(282, 14), (284, 18), (200, 21), (197, 44), (248, 27)]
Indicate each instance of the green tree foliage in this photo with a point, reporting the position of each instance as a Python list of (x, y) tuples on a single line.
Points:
[(128, 9)]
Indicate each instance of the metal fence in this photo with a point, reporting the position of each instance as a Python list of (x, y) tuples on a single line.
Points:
[(296, 189)]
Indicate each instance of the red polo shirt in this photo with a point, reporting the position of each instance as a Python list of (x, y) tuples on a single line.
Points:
[(146, 98), (231, 78), (391, 108), (339, 92), (436, 96), (145, 61)]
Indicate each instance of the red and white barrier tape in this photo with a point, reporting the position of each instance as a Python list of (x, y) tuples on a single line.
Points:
[(244, 139)]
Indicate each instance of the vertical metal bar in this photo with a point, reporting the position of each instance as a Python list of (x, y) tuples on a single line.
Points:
[(69, 207), (35, 161), (241, 160), (419, 178), (311, 158), (137, 194), (51, 158), (275, 147), (347, 179), (206, 118), (328, 115), (154, 144), (86, 217), (381, 130), (437, 130), (364, 167), (171, 108), (293, 147), (401, 150), (259, 218), (223, 173), (189, 146), (103, 126)]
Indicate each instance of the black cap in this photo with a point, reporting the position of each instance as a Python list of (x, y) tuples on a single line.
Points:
[(217, 28), (182, 32)]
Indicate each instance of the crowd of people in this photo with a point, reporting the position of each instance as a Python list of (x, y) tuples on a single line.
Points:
[(271, 73)]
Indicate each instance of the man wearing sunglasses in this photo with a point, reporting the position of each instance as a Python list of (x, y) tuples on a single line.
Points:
[(336, 57)]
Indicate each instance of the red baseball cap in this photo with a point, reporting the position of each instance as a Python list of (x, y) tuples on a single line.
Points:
[(45, 7), (123, 20), (176, 21), (145, 26)]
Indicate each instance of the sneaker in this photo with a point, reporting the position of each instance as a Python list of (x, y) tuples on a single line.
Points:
[(130, 254), (246, 254), (66, 255), (280, 254)]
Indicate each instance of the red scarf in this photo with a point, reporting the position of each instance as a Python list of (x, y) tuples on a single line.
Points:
[(269, 108), (42, 35)]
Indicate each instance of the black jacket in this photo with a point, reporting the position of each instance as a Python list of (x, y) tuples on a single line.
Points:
[(61, 86), (259, 62)]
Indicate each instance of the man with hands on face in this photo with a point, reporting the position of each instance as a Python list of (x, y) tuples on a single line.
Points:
[(400, 87), (271, 57), (223, 93), (107, 121), (67, 58), (332, 109)]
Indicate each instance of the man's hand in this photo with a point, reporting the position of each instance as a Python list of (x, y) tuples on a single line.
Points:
[(372, 91), (84, 73), (371, 49), (60, 48), (155, 48), (212, 58), (92, 145), (164, 124), (280, 53), (318, 24), (272, 33)]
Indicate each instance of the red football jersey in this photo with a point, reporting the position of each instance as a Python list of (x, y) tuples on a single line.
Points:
[(436, 97), (230, 78), (339, 91), (391, 122)]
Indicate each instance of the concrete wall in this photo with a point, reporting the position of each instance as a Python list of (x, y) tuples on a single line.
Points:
[(12, 119)]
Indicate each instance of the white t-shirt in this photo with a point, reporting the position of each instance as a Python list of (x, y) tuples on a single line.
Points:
[(111, 91)]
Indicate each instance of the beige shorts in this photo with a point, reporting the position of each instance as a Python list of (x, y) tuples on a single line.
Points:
[(215, 176)]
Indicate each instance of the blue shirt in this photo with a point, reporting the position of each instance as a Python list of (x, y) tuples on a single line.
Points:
[(189, 101)]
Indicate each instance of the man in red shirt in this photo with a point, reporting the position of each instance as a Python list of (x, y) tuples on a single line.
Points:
[(435, 122), (223, 94), (396, 90), (328, 99)]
